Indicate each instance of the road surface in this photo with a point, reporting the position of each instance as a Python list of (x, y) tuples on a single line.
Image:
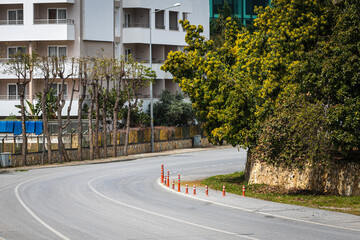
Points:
[(124, 200)]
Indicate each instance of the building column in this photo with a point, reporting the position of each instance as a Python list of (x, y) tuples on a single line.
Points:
[(166, 20), (28, 10)]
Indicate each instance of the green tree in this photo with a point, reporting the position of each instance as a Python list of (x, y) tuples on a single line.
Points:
[(136, 76), (218, 25), (308, 48), (172, 110), (22, 66), (330, 74)]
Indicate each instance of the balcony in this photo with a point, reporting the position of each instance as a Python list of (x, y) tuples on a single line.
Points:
[(41, 30), (54, 21), (136, 25), (159, 36), (11, 22)]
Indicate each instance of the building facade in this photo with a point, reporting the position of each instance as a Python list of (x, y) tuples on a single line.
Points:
[(242, 9), (79, 28)]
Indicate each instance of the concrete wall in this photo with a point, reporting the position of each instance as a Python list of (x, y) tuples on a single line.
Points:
[(139, 142), (342, 179), (99, 20)]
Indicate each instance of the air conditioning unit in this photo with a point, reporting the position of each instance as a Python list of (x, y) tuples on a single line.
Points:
[(5, 159)]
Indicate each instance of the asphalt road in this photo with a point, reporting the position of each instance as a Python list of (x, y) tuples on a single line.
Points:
[(124, 200)]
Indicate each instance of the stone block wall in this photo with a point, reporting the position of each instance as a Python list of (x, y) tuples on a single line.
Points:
[(139, 142), (341, 179)]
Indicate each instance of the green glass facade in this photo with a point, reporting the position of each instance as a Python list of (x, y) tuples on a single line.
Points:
[(243, 9)]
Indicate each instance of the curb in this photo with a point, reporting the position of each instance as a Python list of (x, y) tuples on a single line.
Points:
[(112, 159)]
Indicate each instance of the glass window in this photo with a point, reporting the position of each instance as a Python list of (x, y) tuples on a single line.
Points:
[(57, 88), (57, 51), (12, 91), (57, 15), (127, 19), (15, 16), (250, 5), (13, 50), (62, 52), (128, 52), (62, 16), (52, 51)]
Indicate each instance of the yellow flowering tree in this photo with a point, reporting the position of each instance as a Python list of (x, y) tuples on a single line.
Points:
[(299, 56)]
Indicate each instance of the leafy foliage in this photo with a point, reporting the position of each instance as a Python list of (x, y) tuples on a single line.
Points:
[(172, 110), (218, 25), (289, 88), (296, 134)]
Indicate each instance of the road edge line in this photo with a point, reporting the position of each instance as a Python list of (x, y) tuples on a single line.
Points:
[(262, 213), (37, 218), (161, 215)]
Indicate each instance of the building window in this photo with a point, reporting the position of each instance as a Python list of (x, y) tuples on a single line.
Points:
[(13, 50), (15, 16), (57, 51), (57, 88), (128, 53), (173, 20), (127, 20), (56, 15), (159, 19), (13, 91), (250, 6)]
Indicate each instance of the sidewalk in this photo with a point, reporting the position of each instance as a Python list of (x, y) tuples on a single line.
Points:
[(113, 159), (269, 209)]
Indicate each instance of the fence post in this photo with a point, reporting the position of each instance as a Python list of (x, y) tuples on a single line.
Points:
[(37, 143), (14, 145), (3, 144)]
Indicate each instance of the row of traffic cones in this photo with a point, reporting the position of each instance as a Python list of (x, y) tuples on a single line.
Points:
[(166, 181)]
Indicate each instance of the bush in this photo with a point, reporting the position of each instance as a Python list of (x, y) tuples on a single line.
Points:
[(172, 110)]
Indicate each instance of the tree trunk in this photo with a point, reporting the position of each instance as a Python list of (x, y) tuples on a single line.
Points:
[(105, 98), (127, 127), (46, 134), (23, 126), (115, 129), (80, 137), (91, 138), (62, 151), (97, 114)]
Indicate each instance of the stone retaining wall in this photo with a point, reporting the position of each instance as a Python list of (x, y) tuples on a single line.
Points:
[(341, 179), (35, 158)]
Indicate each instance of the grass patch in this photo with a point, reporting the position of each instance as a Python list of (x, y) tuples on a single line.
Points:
[(234, 183), (21, 170)]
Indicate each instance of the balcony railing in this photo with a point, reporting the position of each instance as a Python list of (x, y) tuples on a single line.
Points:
[(11, 22), (54, 21), (148, 61), (12, 97), (136, 25)]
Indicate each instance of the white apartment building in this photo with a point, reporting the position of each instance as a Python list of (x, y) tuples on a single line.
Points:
[(78, 28)]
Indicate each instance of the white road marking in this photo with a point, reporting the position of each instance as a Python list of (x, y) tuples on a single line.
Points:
[(33, 214), (262, 213), (161, 215)]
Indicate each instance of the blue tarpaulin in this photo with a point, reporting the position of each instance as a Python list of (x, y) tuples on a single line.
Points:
[(17, 128), (2, 126), (30, 126), (9, 127), (38, 127)]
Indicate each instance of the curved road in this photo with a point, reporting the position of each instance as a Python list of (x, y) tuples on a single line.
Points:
[(124, 200)]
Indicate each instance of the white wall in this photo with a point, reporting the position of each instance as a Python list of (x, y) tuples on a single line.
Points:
[(99, 20), (201, 15)]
